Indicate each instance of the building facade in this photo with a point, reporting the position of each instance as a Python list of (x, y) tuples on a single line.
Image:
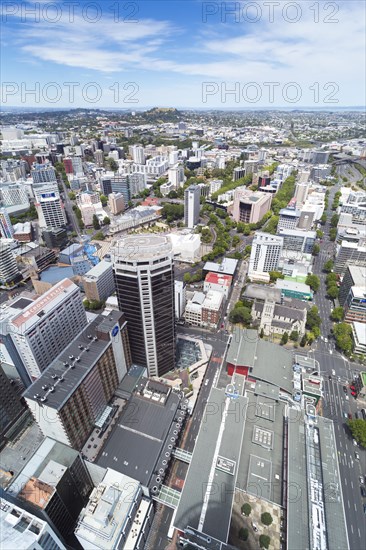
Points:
[(70, 396), (249, 206), (99, 282), (265, 254), (45, 327), (144, 278), (192, 205)]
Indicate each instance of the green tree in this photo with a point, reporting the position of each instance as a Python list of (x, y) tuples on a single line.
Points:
[(264, 541), (274, 275), (328, 266), (187, 277), (313, 281), (284, 339), (99, 236), (332, 234), (72, 196), (266, 518), (103, 200), (235, 241), (319, 234), (358, 430), (246, 509), (243, 534), (294, 336), (332, 291), (247, 250), (337, 314), (330, 278), (343, 336), (334, 220), (313, 318), (303, 341), (113, 165), (323, 219), (316, 249), (240, 315), (106, 220), (96, 223)]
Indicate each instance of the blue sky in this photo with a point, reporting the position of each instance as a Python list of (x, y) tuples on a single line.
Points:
[(184, 54)]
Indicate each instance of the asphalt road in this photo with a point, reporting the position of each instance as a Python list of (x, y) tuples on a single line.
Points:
[(338, 403)]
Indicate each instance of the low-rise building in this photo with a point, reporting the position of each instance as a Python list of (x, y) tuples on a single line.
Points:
[(277, 318), (217, 282), (116, 516), (294, 290), (99, 281)]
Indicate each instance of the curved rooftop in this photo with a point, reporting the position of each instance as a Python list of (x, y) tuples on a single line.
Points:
[(140, 247)]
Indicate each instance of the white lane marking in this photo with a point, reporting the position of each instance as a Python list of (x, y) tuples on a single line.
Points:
[(352, 529)]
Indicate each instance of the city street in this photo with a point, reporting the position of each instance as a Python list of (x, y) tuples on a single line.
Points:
[(337, 403)]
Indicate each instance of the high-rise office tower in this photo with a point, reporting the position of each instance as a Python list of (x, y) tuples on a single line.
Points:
[(144, 277), (49, 205), (46, 326), (192, 205), (9, 271), (6, 228)]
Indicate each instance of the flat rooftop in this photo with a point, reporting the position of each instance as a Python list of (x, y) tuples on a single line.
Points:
[(228, 266), (70, 368), (206, 500), (98, 270), (140, 435), (102, 520), (260, 468), (267, 362), (44, 304), (138, 247)]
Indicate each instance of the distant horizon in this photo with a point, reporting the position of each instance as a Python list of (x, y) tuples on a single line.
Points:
[(343, 108)]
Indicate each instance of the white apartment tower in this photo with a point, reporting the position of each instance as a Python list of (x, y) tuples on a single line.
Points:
[(49, 206), (138, 154), (46, 326), (265, 253), (192, 205), (301, 193)]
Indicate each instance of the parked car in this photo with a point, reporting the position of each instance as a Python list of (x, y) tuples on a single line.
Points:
[(357, 457), (255, 527), (363, 491), (361, 480)]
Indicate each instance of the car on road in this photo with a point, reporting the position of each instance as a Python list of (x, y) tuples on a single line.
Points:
[(357, 457), (347, 398), (350, 416), (333, 372), (363, 491), (326, 340), (345, 389), (345, 415), (361, 480), (364, 508), (207, 381), (255, 527)]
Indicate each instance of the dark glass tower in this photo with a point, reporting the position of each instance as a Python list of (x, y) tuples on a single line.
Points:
[(144, 276)]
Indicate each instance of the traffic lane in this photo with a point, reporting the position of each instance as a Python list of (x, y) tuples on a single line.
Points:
[(349, 469)]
